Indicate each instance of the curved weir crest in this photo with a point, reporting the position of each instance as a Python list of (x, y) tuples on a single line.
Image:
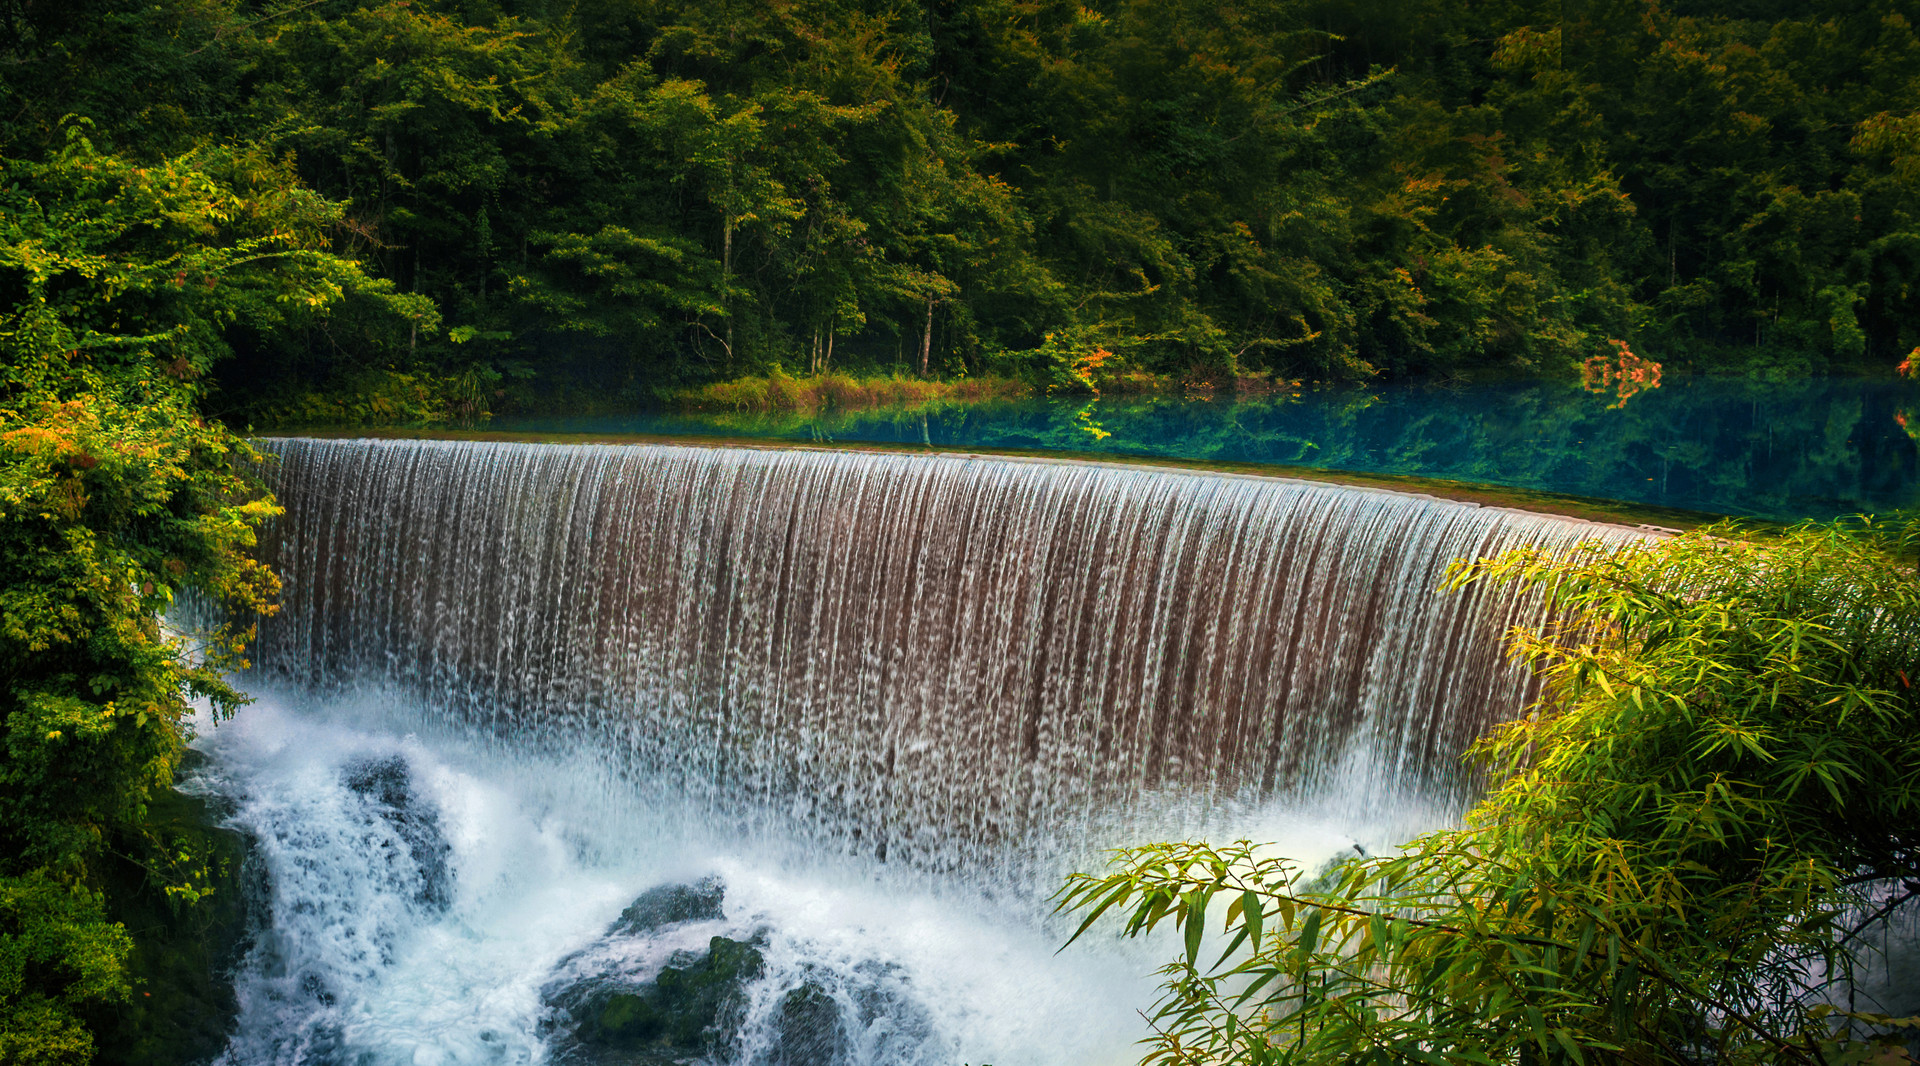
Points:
[(959, 676)]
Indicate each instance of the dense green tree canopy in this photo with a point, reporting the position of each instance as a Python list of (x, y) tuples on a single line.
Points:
[(631, 194)]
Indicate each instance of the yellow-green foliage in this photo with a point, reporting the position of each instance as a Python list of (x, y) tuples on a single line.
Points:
[(61, 928), (1718, 795), (115, 497), (778, 392)]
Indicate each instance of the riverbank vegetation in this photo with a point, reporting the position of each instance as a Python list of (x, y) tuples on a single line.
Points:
[(1703, 832), (619, 200), (835, 392), (828, 392), (126, 281)]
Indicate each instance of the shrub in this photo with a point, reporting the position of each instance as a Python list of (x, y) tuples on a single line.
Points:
[(1675, 861)]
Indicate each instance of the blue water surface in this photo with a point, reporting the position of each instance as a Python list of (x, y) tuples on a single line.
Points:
[(1810, 448)]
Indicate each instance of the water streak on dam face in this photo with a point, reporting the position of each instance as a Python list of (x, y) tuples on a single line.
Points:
[(935, 660)]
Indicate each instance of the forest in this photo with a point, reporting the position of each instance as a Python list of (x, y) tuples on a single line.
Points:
[(223, 215), (607, 200)]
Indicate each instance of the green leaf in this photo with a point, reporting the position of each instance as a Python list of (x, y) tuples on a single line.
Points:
[(1309, 935), (1196, 916)]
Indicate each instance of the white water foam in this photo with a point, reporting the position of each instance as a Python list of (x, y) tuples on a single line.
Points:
[(418, 919)]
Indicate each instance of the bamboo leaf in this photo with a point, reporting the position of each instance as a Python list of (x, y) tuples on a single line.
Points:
[(1196, 916)]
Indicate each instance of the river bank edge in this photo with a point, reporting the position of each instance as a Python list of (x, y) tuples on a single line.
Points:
[(1563, 505)]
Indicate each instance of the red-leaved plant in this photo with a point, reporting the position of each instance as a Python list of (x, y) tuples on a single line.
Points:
[(1623, 373)]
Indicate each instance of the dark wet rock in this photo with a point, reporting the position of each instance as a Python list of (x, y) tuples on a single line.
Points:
[(695, 1007), (692, 1009), (808, 1030), (387, 785), (666, 905), (660, 907), (387, 781)]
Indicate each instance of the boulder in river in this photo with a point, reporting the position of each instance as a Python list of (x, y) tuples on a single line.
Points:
[(807, 1030), (692, 1009), (386, 785), (666, 905)]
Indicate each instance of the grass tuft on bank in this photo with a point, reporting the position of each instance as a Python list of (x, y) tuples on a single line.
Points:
[(778, 392)]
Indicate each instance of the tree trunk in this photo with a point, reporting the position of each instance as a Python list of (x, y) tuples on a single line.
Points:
[(726, 281), (926, 339)]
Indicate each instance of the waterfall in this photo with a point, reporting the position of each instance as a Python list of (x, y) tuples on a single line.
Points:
[(936, 660), (857, 713)]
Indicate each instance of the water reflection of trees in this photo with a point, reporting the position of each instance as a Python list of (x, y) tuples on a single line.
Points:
[(1814, 447), (1782, 450), (1736, 447)]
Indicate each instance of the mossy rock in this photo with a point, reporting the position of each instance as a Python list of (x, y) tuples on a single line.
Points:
[(693, 1009)]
